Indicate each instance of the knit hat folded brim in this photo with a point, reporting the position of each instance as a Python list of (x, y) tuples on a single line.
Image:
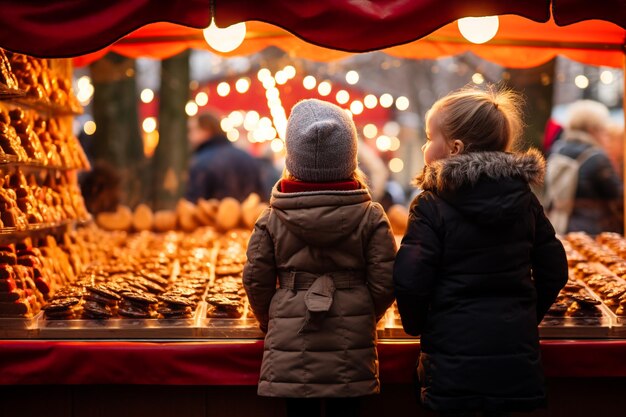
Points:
[(321, 142)]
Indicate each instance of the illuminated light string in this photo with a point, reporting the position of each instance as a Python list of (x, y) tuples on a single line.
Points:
[(242, 85), (342, 97), (396, 165), (202, 99), (370, 131), (273, 130), (89, 127), (391, 128), (478, 78), (223, 89), (149, 124), (383, 143), (324, 88), (191, 108), (581, 81), (85, 90), (147, 95), (352, 77)]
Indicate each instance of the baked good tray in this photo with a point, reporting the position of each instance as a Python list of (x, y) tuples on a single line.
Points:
[(119, 328)]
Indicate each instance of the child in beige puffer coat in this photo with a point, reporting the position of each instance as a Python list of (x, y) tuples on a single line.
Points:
[(319, 270)]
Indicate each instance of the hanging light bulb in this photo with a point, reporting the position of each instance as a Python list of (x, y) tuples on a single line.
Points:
[(479, 29), (225, 39)]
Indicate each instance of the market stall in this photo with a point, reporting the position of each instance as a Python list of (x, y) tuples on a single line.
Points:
[(175, 297)]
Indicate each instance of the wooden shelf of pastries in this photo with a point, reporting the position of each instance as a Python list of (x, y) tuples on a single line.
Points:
[(40, 199), (44, 85), (160, 275), (600, 264)]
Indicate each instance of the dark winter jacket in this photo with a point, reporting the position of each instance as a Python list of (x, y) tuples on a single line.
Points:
[(476, 272), (218, 169), (308, 243), (598, 203)]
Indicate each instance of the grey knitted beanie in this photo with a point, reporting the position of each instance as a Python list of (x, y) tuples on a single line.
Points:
[(321, 142)]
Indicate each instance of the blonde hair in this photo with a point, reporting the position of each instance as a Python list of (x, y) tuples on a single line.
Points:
[(358, 176), (588, 116), (484, 120)]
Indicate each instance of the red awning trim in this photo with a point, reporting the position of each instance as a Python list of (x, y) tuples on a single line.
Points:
[(373, 24), (68, 28), (71, 27), (74, 27), (567, 12)]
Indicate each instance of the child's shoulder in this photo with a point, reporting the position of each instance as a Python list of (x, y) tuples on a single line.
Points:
[(424, 199), (425, 204)]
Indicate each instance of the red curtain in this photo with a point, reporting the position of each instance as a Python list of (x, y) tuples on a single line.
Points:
[(360, 26), (64, 28), (571, 11), (323, 29), (592, 42)]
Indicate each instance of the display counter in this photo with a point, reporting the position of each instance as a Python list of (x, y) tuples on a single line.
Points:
[(237, 362), (207, 378)]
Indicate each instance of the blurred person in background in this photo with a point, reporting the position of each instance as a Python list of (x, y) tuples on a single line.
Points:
[(374, 169), (270, 174), (218, 169), (598, 201)]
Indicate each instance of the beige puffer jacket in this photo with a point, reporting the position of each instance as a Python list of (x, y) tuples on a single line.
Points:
[(315, 241)]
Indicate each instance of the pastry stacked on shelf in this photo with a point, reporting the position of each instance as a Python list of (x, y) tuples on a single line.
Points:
[(24, 202), (593, 250), (27, 137), (41, 83), (224, 215), (10, 143), (574, 301), (226, 297), (29, 274), (7, 77), (605, 270), (610, 288), (62, 146), (141, 276)]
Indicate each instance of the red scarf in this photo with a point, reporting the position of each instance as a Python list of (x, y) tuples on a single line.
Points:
[(289, 186)]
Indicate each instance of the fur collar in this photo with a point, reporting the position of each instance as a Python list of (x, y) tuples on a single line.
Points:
[(451, 173)]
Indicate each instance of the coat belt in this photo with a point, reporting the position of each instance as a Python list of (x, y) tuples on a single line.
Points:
[(298, 280)]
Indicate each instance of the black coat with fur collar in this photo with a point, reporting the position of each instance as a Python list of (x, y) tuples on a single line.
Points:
[(476, 272)]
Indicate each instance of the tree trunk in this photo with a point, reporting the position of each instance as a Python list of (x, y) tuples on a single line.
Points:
[(169, 165), (117, 140)]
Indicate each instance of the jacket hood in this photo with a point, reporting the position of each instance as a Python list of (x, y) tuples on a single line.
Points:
[(321, 218), (491, 187), (572, 135)]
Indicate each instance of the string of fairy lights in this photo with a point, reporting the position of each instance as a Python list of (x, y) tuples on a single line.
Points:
[(257, 128)]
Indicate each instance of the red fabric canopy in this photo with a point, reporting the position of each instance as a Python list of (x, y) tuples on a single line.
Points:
[(360, 26), (520, 43), (74, 27), (572, 11)]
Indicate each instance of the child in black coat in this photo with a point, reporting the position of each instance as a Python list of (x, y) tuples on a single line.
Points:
[(479, 265)]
